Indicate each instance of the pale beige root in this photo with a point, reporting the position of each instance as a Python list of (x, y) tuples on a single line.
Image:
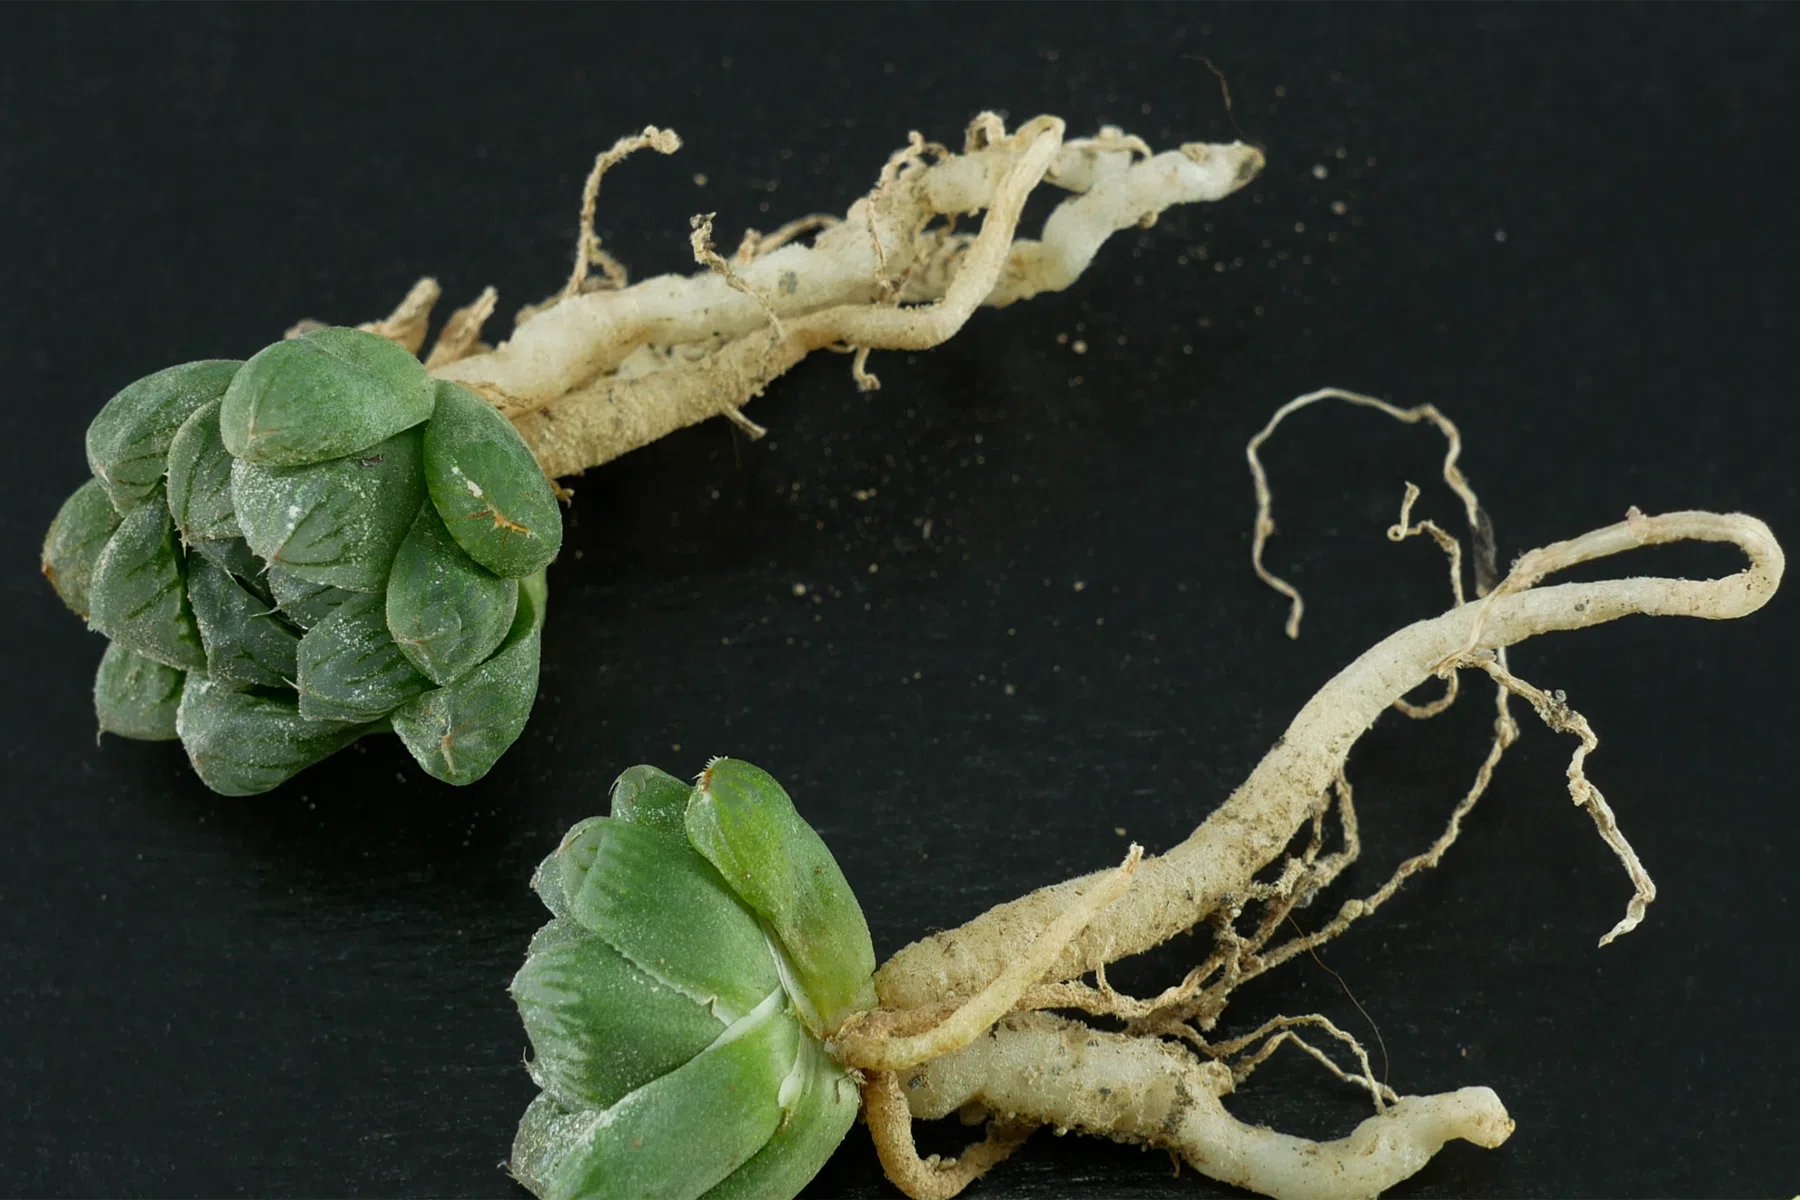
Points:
[(934, 1178), (1174, 891), (603, 369), (876, 1042), (1264, 526), (1039, 1069)]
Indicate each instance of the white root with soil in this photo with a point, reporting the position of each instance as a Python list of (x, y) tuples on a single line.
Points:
[(1031, 1068)]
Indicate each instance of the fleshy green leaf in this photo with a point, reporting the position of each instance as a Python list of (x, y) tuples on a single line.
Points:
[(644, 795), (247, 645), (243, 743), (747, 827), (600, 1027), (488, 487), (336, 522), (350, 668), (304, 602), (200, 479), (821, 1114), (445, 610), (673, 1138), (82, 527), (323, 395), (138, 596), (661, 906), (136, 697), (458, 733), (128, 441)]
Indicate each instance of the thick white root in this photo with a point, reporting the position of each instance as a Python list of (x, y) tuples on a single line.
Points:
[(1039, 1069), (1175, 891), (604, 368)]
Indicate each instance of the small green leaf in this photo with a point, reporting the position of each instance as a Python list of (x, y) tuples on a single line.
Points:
[(82, 527), (243, 743), (323, 395), (234, 557), (136, 697), (446, 611), (304, 602), (600, 1027), (350, 668), (822, 1112), (128, 441), (458, 733), (488, 487), (336, 522), (138, 597), (673, 1138), (743, 822), (661, 906), (200, 479), (247, 645), (644, 795)]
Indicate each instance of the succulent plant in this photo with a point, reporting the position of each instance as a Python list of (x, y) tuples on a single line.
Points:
[(704, 946), (293, 552)]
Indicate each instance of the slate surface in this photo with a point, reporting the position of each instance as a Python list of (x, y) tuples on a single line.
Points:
[(1570, 228)]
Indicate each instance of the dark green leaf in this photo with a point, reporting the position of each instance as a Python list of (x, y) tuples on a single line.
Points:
[(350, 668), (138, 597), (660, 905), (323, 395), (243, 743), (488, 487), (747, 827), (129, 440), (336, 522), (82, 527), (600, 1027), (446, 611), (234, 556), (136, 697), (458, 733), (200, 479), (814, 1125), (673, 1138), (304, 602), (644, 795), (247, 645)]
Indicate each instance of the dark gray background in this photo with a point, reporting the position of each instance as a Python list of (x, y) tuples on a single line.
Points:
[(303, 993)]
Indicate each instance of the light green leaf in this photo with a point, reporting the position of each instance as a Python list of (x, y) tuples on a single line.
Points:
[(600, 1027), (488, 487), (349, 667), (200, 479), (446, 611), (822, 1112), (743, 822), (138, 596), (82, 527), (458, 733), (247, 645), (128, 441), (243, 743), (323, 395), (304, 602), (644, 795), (136, 697), (661, 906), (671, 1139), (336, 522)]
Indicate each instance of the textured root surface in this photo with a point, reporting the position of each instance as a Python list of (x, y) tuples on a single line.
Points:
[(604, 367), (1037, 1068), (1176, 890)]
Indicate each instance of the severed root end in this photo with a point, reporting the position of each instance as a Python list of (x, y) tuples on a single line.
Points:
[(1039, 1069)]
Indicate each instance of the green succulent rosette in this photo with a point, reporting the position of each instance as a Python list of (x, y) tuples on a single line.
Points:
[(703, 947), (290, 553)]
